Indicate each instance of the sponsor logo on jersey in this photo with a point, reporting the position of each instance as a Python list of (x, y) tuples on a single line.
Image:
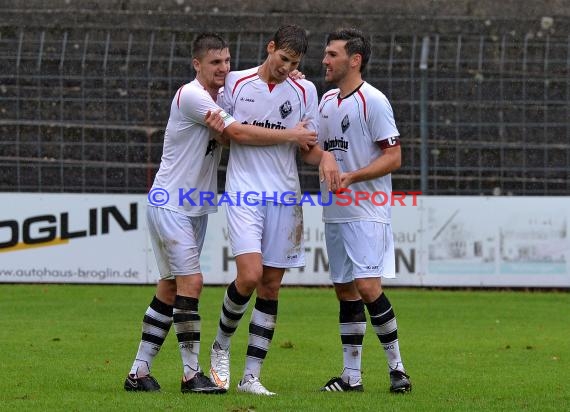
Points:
[(267, 124), (345, 124), (336, 144), (247, 99), (285, 109)]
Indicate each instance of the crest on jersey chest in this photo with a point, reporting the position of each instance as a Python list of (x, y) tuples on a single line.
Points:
[(285, 109), (345, 124)]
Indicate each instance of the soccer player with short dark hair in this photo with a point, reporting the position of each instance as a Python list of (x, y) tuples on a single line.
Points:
[(359, 238)]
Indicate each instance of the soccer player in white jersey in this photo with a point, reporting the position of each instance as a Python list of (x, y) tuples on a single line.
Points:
[(356, 123), (265, 233), (177, 218)]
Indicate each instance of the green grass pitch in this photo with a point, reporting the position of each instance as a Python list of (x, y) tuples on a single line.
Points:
[(69, 348)]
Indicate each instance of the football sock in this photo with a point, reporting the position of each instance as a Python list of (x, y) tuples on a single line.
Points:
[(261, 328), (187, 327), (352, 321), (155, 326), (383, 321), (233, 308)]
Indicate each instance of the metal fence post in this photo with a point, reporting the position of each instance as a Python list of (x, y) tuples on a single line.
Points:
[(424, 115)]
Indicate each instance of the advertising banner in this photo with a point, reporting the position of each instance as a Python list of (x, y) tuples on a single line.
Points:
[(440, 241), (74, 238)]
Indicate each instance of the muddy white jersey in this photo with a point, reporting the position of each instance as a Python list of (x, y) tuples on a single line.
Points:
[(354, 129), (190, 158), (267, 169)]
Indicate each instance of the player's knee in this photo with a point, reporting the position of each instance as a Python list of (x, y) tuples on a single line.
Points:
[(369, 290), (247, 282), (346, 291), (189, 285), (269, 291), (166, 291)]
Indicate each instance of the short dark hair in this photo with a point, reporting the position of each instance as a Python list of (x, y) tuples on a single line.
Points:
[(291, 38), (207, 41), (356, 43)]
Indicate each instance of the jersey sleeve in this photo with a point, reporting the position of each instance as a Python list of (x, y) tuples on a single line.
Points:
[(227, 99), (222, 102), (312, 110), (195, 103), (380, 120)]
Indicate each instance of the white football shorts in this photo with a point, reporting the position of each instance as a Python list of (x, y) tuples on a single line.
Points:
[(360, 250), (176, 240), (274, 230)]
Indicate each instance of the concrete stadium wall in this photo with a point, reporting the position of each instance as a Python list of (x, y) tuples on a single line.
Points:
[(475, 8), (395, 16)]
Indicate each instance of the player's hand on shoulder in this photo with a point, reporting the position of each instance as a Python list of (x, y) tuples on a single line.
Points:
[(296, 75)]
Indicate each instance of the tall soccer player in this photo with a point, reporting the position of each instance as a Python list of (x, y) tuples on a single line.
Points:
[(359, 235), (177, 226), (265, 234)]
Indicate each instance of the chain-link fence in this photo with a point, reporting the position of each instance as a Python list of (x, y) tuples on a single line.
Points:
[(85, 110)]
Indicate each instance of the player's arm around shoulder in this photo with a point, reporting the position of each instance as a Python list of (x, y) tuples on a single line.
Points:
[(197, 106), (311, 119), (215, 122), (248, 134), (312, 156)]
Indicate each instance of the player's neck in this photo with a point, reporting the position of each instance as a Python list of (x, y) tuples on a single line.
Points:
[(265, 75), (349, 84), (213, 92)]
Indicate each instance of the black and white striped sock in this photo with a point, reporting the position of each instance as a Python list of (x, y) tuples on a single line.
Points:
[(187, 327), (383, 320), (233, 308), (155, 326), (352, 320), (261, 328)]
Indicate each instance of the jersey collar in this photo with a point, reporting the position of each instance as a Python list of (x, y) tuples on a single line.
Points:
[(349, 94)]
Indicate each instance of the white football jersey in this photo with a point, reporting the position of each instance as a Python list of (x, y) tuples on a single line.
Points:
[(351, 128), (267, 169), (190, 158)]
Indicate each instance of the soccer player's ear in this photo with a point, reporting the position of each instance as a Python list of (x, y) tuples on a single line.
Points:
[(196, 65), (356, 60), (271, 47)]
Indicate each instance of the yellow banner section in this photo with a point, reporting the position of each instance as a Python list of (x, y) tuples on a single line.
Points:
[(25, 246)]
